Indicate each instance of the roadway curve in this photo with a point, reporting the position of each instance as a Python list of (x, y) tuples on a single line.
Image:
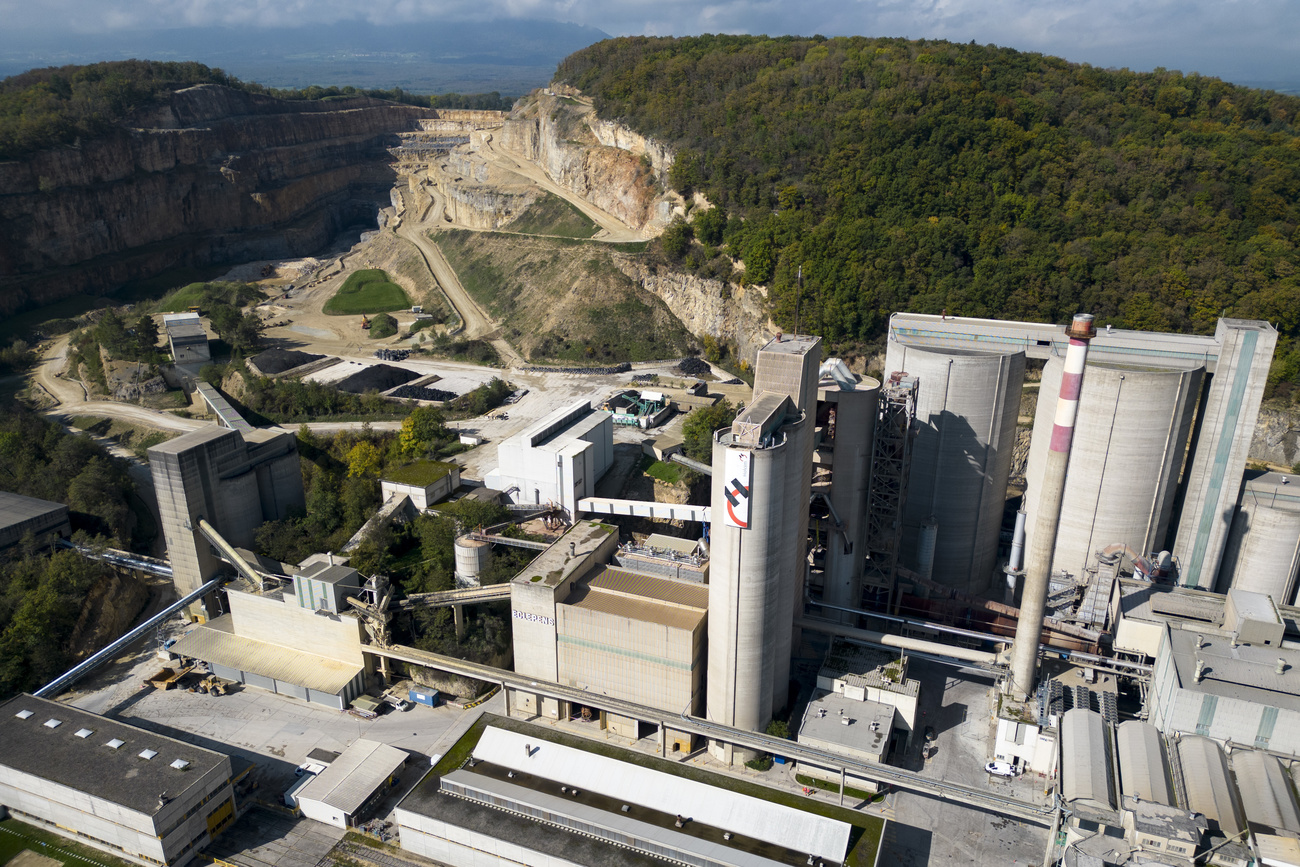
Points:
[(71, 399)]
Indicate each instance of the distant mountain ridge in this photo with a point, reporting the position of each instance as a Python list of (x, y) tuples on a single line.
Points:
[(512, 56)]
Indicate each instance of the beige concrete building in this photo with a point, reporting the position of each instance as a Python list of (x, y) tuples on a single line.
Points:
[(608, 630), (270, 640)]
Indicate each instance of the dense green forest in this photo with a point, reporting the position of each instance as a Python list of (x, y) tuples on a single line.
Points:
[(925, 175), (60, 105)]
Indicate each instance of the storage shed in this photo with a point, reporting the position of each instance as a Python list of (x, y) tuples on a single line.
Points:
[(341, 794)]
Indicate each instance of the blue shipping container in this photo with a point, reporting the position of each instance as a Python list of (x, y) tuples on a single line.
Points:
[(424, 696)]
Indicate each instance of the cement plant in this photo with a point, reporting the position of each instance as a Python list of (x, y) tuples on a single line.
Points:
[(1018, 598)]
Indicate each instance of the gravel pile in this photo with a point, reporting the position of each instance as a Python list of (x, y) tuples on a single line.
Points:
[(275, 361), (645, 377), (381, 377), (416, 392), (694, 366), (624, 367)]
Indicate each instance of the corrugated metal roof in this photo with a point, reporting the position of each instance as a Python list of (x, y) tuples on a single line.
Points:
[(709, 805), (635, 608), (615, 580), (216, 643), (1143, 768), (1266, 793), (1209, 785), (1085, 759), (353, 777)]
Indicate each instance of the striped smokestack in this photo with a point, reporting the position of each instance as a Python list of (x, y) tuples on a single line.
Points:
[(1042, 536)]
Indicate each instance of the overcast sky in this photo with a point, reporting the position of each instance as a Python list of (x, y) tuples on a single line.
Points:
[(1240, 40)]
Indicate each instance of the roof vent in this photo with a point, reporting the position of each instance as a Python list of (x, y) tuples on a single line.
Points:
[(148, 754), (84, 733), (180, 764), (1200, 641), (24, 714), (1200, 670), (53, 723), (115, 744), (1281, 666)]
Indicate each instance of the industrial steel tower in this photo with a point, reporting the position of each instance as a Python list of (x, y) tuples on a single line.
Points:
[(1042, 538)]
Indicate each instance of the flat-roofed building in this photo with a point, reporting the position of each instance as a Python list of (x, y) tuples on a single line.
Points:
[(557, 459), (20, 516), (601, 811), (342, 794), (187, 338), (135, 794)]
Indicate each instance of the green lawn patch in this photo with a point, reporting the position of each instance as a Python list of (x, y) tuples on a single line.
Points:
[(669, 474), (422, 473), (834, 788), (554, 216), (16, 836), (367, 291)]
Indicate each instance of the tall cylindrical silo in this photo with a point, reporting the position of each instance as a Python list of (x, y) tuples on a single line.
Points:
[(472, 557), (1130, 437), (967, 406), (1263, 551), (848, 444), (750, 572)]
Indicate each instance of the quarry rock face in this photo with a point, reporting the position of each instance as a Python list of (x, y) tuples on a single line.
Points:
[(213, 176), (725, 311)]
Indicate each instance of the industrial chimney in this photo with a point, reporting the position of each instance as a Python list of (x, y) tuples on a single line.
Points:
[(1042, 536)]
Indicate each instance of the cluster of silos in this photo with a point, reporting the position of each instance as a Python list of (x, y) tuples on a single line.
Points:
[(1130, 439), (850, 409), (1263, 550), (967, 408)]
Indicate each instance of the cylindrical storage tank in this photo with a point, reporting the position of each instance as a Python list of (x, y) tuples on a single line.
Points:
[(1130, 436), (748, 606), (473, 556), (1263, 551), (850, 462), (967, 406)]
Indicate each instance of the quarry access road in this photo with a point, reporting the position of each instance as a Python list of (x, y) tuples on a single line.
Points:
[(474, 318), (71, 399)]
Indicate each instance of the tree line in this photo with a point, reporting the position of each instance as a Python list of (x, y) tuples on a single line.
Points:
[(931, 176), (62, 105)]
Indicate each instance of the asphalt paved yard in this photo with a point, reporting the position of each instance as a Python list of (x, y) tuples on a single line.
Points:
[(929, 831)]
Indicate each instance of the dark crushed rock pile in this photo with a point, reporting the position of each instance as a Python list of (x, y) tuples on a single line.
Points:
[(381, 377), (417, 392), (622, 367), (694, 366), (275, 361)]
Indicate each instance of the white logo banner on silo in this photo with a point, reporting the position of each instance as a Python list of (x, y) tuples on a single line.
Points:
[(737, 489)]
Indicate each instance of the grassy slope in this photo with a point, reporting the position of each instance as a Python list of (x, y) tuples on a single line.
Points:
[(367, 291), (551, 215), (563, 301)]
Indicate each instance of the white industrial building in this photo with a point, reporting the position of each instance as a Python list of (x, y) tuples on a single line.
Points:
[(557, 459), (342, 794), (187, 338), (135, 794), (596, 811)]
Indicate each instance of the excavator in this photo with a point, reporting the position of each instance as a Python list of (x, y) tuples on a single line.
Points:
[(365, 322)]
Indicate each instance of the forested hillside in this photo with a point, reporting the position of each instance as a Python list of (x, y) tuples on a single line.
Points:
[(988, 182)]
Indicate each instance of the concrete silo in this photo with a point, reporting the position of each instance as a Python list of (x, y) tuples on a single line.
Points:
[(473, 556), (1130, 438), (756, 507), (1263, 553), (846, 415), (966, 412)]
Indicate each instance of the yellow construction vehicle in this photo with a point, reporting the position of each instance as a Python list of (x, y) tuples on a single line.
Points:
[(365, 323)]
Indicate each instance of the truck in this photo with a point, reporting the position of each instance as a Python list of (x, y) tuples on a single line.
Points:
[(166, 678)]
